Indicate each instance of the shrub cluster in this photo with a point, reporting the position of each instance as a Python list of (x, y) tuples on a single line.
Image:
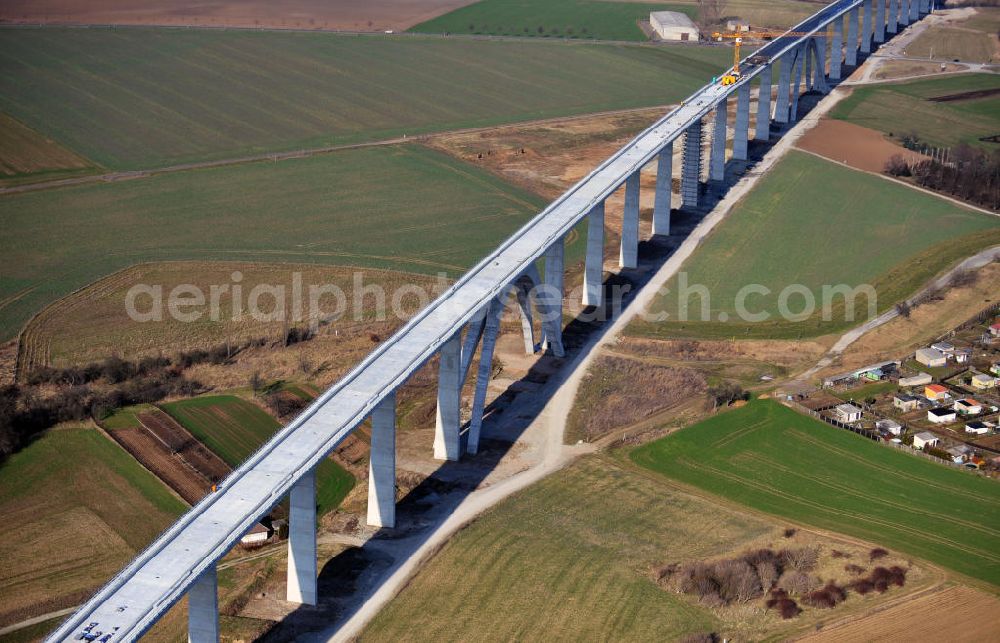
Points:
[(879, 580), (830, 595), (783, 603), (970, 174)]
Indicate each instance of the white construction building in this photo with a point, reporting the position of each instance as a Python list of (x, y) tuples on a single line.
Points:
[(672, 25)]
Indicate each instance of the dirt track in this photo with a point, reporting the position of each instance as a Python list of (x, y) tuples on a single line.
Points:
[(340, 15)]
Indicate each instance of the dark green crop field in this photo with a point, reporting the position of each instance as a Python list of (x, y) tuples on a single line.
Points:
[(234, 428), (395, 207), (773, 459), (141, 98)]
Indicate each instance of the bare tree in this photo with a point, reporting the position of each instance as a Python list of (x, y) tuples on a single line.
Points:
[(710, 13)]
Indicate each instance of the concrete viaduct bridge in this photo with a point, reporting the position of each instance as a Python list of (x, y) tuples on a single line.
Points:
[(466, 317)]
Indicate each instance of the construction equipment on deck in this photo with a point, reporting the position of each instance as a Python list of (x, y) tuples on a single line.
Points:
[(737, 37)]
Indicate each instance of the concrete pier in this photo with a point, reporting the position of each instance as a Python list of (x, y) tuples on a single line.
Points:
[(851, 50), (914, 10), (819, 71), (803, 52), (203, 608), (808, 75), (522, 291), (483, 375), (382, 465), (302, 541), (593, 273), (664, 187), (717, 161), (866, 28), (741, 136), (691, 166), (551, 297), (763, 126), (628, 256), (449, 398), (879, 21), (781, 105), (837, 49), (892, 22)]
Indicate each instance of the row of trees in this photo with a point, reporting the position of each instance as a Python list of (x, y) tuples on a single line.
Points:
[(970, 174)]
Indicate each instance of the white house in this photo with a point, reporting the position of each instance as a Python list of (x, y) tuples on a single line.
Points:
[(962, 355), (945, 347), (848, 413), (916, 380), (672, 25), (257, 534), (925, 439), (931, 357), (977, 428), (890, 426), (941, 416), (968, 406)]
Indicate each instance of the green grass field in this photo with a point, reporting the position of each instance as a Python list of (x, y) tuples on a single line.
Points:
[(596, 19), (814, 223), (141, 98), (82, 508), (568, 559), (234, 428), (400, 207), (778, 461), (939, 124)]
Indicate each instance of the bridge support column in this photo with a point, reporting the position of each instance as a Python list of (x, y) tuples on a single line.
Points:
[(551, 296), (925, 6), (819, 78), (490, 334), (904, 12), (784, 86), (691, 166), (382, 465), (628, 256), (523, 293), (664, 188), (807, 49), (449, 398), (203, 608), (797, 82), (742, 133), (302, 541), (879, 21), (914, 10), (593, 274), (763, 128), (866, 28), (717, 161), (837, 48), (892, 25), (851, 51)]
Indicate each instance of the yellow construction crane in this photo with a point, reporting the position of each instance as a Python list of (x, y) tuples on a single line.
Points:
[(737, 37)]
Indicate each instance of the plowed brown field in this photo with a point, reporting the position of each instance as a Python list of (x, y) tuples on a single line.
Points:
[(370, 15), (167, 467), (184, 445), (956, 615), (859, 147)]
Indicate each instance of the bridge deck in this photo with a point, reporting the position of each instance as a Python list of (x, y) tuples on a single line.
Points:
[(134, 599)]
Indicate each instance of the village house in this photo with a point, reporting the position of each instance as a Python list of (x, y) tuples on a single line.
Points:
[(959, 453), (945, 347), (968, 406), (916, 380), (982, 381), (258, 534), (931, 357), (925, 439), (941, 415), (977, 428), (889, 426), (995, 329), (848, 413), (963, 355), (936, 392), (904, 402)]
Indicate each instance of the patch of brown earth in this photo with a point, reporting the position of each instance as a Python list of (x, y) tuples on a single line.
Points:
[(371, 15), (859, 147)]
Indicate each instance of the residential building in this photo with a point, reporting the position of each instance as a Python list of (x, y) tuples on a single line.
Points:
[(904, 402), (882, 368), (941, 415), (925, 439), (257, 534), (983, 381), (958, 453), (916, 380), (931, 357), (889, 426), (977, 428), (968, 406), (945, 347), (995, 329), (848, 413), (936, 392), (962, 355)]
